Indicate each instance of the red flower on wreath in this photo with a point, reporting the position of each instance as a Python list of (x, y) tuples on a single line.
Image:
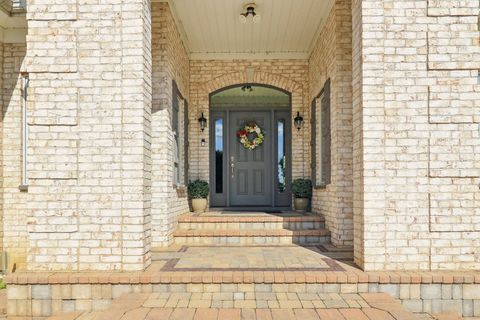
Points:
[(241, 133)]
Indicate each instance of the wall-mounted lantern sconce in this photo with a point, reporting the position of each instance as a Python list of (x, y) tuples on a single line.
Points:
[(298, 121), (203, 122), (203, 142)]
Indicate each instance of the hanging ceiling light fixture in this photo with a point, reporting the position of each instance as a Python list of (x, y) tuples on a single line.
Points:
[(249, 12), (249, 73), (247, 87)]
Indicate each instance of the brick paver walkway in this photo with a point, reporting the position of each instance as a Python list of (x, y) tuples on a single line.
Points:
[(245, 258), (268, 306)]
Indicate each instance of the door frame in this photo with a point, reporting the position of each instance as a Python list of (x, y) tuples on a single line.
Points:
[(288, 142)]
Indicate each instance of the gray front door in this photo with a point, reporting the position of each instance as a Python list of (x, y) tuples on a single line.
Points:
[(250, 171), (259, 177)]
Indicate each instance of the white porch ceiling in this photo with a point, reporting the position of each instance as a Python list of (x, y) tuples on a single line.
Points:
[(288, 28)]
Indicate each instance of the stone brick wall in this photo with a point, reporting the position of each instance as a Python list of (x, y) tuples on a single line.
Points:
[(357, 126), (89, 145), (14, 222), (207, 76), (420, 95), (1, 145), (101, 169), (332, 59), (170, 63)]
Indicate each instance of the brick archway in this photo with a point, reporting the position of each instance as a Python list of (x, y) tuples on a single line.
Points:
[(199, 156), (264, 78)]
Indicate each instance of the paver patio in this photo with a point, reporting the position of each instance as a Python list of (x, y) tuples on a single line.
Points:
[(252, 282), (271, 306), (249, 258)]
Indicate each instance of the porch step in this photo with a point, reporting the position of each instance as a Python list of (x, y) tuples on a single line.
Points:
[(192, 222), (251, 237)]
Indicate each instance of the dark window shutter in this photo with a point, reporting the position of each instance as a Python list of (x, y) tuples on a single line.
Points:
[(174, 107), (326, 136), (313, 142)]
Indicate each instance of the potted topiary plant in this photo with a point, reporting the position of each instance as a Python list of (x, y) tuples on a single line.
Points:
[(198, 192), (302, 190)]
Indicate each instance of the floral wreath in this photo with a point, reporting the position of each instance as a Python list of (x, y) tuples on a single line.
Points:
[(251, 127)]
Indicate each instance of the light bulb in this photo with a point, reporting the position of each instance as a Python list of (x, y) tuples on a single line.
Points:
[(243, 19), (256, 18)]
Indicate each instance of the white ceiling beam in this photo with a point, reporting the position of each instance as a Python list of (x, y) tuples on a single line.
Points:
[(9, 21), (246, 55), (15, 35)]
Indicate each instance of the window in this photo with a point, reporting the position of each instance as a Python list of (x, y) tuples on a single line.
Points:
[(180, 134), (218, 160), (281, 157), (321, 138), (219, 155)]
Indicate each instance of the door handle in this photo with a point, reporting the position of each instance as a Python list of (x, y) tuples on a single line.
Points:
[(232, 166)]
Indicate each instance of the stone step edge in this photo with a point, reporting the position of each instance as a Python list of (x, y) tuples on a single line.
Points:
[(243, 277), (128, 302), (255, 219), (249, 233)]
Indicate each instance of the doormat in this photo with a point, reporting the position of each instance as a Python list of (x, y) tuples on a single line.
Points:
[(250, 211)]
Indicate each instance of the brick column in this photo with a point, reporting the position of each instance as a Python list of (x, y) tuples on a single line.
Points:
[(417, 103), (368, 128), (89, 144), (1, 137), (13, 208)]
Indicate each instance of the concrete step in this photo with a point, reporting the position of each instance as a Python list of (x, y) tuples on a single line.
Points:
[(252, 237), (442, 316), (257, 222)]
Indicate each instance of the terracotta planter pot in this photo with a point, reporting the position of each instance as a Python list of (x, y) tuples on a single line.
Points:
[(199, 205), (301, 204)]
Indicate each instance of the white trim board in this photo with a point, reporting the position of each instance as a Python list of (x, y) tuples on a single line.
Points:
[(13, 35), (247, 55)]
